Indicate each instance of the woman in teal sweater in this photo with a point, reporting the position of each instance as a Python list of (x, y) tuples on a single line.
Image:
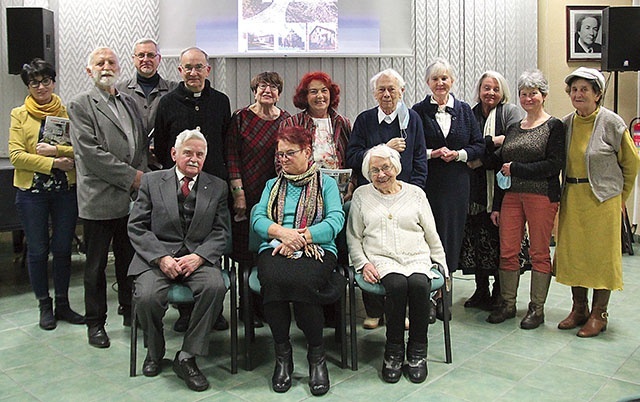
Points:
[(298, 218)]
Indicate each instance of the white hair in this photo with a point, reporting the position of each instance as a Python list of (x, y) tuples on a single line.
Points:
[(381, 151), (389, 72), (187, 135)]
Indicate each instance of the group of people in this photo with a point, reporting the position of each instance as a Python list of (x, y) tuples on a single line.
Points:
[(424, 183)]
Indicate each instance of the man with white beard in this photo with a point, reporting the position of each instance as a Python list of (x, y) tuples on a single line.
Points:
[(110, 148)]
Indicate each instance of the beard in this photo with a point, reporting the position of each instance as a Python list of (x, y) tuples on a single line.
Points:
[(105, 79)]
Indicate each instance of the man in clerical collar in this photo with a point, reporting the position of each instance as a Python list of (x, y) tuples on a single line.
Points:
[(110, 150)]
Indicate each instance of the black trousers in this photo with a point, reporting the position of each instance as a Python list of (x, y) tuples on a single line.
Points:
[(401, 291), (99, 235), (309, 317)]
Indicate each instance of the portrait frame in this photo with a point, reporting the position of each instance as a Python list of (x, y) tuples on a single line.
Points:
[(575, 16)]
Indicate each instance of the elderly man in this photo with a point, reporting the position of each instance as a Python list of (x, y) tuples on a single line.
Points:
[(194, 104), (110, 149), (179, 227)]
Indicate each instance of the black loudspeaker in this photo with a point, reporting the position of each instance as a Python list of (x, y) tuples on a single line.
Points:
[(621, 39), (30, 34)]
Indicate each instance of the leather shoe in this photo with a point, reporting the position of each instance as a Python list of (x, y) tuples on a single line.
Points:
[(150, 367), (372, 322), (188, 370), (221, 323), (98, 337)]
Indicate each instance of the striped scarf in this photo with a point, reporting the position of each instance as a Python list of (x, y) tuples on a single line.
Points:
[(310, 206)]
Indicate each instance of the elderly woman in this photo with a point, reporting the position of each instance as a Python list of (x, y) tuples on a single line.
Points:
[(250, 145), (480, 254), (46, 181), (452, 138), (393, 240), (393, 124), (298, 217), (531, 157), (602, 163)]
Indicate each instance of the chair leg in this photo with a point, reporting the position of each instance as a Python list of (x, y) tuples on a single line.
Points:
[(248, 321), (352, 319), (133, 353), (446, 303), (342, 327), (234, 314)]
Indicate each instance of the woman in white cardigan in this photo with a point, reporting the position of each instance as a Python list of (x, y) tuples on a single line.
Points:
[(392, 239)]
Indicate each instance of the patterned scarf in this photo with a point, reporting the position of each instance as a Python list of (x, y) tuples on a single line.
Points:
[(39, 111), (310, 207)]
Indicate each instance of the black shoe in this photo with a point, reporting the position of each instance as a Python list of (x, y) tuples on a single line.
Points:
[(182, 323), (221, 323), (64, 313), (126, 319), (151, 367), (318, 374), (392, 363), (440, 309), (417, 362), (188, 370), (480, 299), (98, 337), (47, 319), (120, 310), (281, 379)]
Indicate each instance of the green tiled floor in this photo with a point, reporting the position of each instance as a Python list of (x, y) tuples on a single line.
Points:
[(490, 362)]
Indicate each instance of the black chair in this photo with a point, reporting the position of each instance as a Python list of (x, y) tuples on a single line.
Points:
[(251, 283), (356, 280), (181, 294)]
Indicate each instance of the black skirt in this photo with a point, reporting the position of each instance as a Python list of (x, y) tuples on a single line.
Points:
[(304, 279)]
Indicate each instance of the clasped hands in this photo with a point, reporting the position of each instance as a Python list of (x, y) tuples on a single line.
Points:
[(176, 266), (445, 154), (292, 240)]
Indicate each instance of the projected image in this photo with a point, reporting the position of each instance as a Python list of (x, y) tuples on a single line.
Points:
[(288, 25)]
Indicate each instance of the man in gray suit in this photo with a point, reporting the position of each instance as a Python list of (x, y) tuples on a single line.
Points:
[(179, 228), (110, 149)]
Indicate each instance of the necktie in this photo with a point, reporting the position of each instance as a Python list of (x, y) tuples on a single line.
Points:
[(185, 186)]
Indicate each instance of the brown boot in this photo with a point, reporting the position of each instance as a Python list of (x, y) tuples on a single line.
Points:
[(509, 281), (597, 321), (539, 289), (580, 310)]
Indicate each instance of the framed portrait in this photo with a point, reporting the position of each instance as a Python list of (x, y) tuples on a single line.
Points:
[(584, 36)]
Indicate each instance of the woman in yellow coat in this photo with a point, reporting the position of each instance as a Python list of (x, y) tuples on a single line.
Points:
[(45, 178), (602, 163)]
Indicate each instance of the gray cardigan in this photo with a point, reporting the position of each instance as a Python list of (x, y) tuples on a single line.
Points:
[(604, 172)]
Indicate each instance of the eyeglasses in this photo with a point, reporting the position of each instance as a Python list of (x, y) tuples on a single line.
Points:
[(142, 55), (262, 86), (385, 169), (288, 154), (46, 81), (198, 67)]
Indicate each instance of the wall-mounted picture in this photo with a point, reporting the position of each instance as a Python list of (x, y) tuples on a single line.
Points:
[(584, 36)]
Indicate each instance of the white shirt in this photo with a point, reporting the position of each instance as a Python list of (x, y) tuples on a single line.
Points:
[(387, 118), (444, 121), (181, 176)]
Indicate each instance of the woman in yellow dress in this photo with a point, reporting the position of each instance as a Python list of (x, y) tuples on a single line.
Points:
[(602, 163)]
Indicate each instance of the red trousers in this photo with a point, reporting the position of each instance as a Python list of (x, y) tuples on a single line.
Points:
[(536, 210)]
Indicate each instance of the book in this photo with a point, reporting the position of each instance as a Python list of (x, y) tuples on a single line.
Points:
[(56, 130), (341, 176)]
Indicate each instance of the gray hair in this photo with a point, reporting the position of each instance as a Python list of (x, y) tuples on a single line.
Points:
[(144, 41), (533, 79), (206, 56), (439, 66), (389, 72), (382, 151), (504, 92), (187, 135), (98, 50)]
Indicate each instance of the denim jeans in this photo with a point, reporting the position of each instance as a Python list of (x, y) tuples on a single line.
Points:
[(37, 211)]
